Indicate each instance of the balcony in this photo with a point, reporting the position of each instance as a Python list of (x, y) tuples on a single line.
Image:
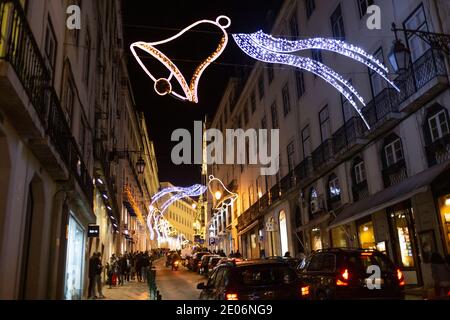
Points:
[(322, 157), (426, 78), (304, 170), (439, 151), (382, 112), (349, 137), (32, 105), (394, 174), (360, 191)]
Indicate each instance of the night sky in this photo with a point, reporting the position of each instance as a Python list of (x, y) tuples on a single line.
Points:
[(145, 21)]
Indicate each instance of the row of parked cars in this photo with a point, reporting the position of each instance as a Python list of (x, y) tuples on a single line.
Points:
[(338, 273)]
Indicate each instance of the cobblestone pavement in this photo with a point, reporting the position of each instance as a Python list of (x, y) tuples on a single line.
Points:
[(133, 290)]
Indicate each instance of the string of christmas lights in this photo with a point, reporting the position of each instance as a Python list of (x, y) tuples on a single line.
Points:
[(268, 49), (163, 86)]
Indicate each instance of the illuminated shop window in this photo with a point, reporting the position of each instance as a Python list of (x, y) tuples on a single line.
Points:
[(339, 237), (283, 233), (444, 205), (316, 239), (403, 234), (366, 235)]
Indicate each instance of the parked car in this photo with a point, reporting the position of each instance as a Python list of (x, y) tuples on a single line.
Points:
[(204, 262), (195, 259), (341, 273), (213, 261), (253, 280)]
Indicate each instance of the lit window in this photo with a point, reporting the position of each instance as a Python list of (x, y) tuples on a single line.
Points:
[(334, 187)]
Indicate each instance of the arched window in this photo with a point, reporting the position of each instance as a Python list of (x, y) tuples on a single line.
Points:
[(313, 201), (283, 232), (334, 188)]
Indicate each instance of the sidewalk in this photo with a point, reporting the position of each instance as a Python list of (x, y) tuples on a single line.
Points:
[(130, 291)]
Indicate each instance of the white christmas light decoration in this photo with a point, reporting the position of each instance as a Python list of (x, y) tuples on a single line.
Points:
[(266, 48), (156, 222), (227, 198), (163, 86)]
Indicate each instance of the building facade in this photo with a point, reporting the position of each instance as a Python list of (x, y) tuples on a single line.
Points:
[(340, 184), (63, 96)]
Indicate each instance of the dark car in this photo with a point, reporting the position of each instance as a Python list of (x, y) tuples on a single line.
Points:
[(253, 280), (213, 261), (349, 274), (204, 262), (195, 259)]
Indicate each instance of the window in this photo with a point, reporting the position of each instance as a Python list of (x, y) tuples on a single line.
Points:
[(313, 196), (324, 119), (337, 24), (317, 55), (253, 102), (274, 112), (293, 25), (69, 100), (261, 86), (366, 235), (283, 232), (360, 172), (363, 5), (438, 125), (393, 152), (306, 142), (310, 7), (286, 100), (245, 112), (300, 81), (348, 110), (377, 82), (251, 195), (87, 59), (417, 21), (334, 188), (270, 73), (50, 47), (264, 123), (291, 156)]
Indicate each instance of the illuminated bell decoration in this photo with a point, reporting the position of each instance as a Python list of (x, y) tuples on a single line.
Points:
[(266, 48), (163, 86), (226, 198)]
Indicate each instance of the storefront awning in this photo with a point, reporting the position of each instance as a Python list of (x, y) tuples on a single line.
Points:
[(406, 189), (250, 227), (314, 223)]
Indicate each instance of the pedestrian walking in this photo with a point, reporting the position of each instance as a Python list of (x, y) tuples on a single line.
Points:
[(98, 275), (92, 272)]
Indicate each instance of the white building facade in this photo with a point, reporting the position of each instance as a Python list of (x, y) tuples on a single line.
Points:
[(341, 185)]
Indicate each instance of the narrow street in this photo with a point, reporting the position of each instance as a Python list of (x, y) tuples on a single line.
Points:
[(177, 285)]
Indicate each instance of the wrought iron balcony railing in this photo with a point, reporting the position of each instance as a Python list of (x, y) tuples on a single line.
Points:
[(323, 154), (18, 47), (348, 135), (438, 151)]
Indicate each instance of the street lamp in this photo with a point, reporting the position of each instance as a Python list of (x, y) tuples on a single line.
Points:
[(140, 165), (400, 55)]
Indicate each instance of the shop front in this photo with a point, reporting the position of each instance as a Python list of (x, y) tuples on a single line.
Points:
[(73, 287)]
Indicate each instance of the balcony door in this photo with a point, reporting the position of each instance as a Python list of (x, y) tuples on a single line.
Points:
[(417, 21)]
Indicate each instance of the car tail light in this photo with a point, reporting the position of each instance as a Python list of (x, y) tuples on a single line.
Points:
[(232, 296), (305, 291), (343, 278), (400, 277)]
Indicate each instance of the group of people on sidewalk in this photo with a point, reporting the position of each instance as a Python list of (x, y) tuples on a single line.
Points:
[(119, 270)]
